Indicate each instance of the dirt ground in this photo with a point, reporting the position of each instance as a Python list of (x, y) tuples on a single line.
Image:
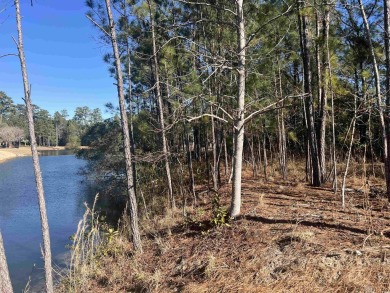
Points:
[(291, 237), (12, 153)]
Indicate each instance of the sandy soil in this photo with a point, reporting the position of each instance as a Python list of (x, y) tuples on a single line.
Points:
[(12, 153)]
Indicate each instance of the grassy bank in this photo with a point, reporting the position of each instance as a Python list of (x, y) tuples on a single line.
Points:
[(291, 238), (12, 153)]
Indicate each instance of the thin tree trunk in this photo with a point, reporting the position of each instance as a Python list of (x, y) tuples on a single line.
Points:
[(370, 140), (190, 167), (34, 151), (214, 143), (353, 125), (265, 159), (126, 138), (5, 281), (171, 200), (328, 77), (259, 160), (323, 91), (232, 163), (251, 146), (206, 155), (281, 127), (305, 52), (226, 154), (377, 90), (130, 97), (386, 6), (239, 124)]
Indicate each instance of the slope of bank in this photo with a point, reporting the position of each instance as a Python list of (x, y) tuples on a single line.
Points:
[(12, 153), (291, 237)]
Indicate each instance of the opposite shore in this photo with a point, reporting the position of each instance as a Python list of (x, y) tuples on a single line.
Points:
[(7, 154)]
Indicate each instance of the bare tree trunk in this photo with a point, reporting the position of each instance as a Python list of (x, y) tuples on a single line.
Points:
[(181, 188), (206, 156), (377, 90), (253, 159), (328, 77), (130, 94), (226, 154), (34, 151), (259, 160), (190, 167), (171, 200), (232, 161), (5, 281), (305, 52), (265, 159), (239, 124), (281, 127), (353, 124), (126, 138), (215, 163), (370, 140), (386, 6), (322, 95)]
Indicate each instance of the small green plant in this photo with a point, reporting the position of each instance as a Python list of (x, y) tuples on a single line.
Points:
[(111, 234), (200, 212), (220, 214), (108, 245)]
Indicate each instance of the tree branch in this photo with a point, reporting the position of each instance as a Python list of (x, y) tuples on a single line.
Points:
[(99, 26), (208, 4), (6, 55), (269, 107), (204, 115)]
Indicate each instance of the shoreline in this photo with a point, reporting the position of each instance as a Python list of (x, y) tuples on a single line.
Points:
[(7, 154)]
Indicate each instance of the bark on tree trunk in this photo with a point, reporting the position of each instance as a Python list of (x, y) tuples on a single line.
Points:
[(386, 6), (328, 78), (5, 281), (226, 154), (125, 132), (34, 151), (322, 84), (171, 200), (265, 159), (305, 52), (281, 127), (129, 92), (190, 168), (253, 159), (377, 90), (353, 126), (215, 163), (239, 121)]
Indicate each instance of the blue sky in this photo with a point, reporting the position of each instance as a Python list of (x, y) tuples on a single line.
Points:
[(63, 55)]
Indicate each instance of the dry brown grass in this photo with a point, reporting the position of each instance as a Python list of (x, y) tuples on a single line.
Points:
[(291, 238)]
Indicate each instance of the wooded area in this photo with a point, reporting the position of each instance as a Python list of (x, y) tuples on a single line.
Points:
[(213, 92), (305, 79)]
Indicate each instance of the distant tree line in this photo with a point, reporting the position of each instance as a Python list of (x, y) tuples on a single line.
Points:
[(50, 130)]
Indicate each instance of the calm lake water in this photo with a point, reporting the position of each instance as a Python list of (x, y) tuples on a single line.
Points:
[(19, 215)]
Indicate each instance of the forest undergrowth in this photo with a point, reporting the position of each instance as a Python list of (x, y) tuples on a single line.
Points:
[(291, 237)]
